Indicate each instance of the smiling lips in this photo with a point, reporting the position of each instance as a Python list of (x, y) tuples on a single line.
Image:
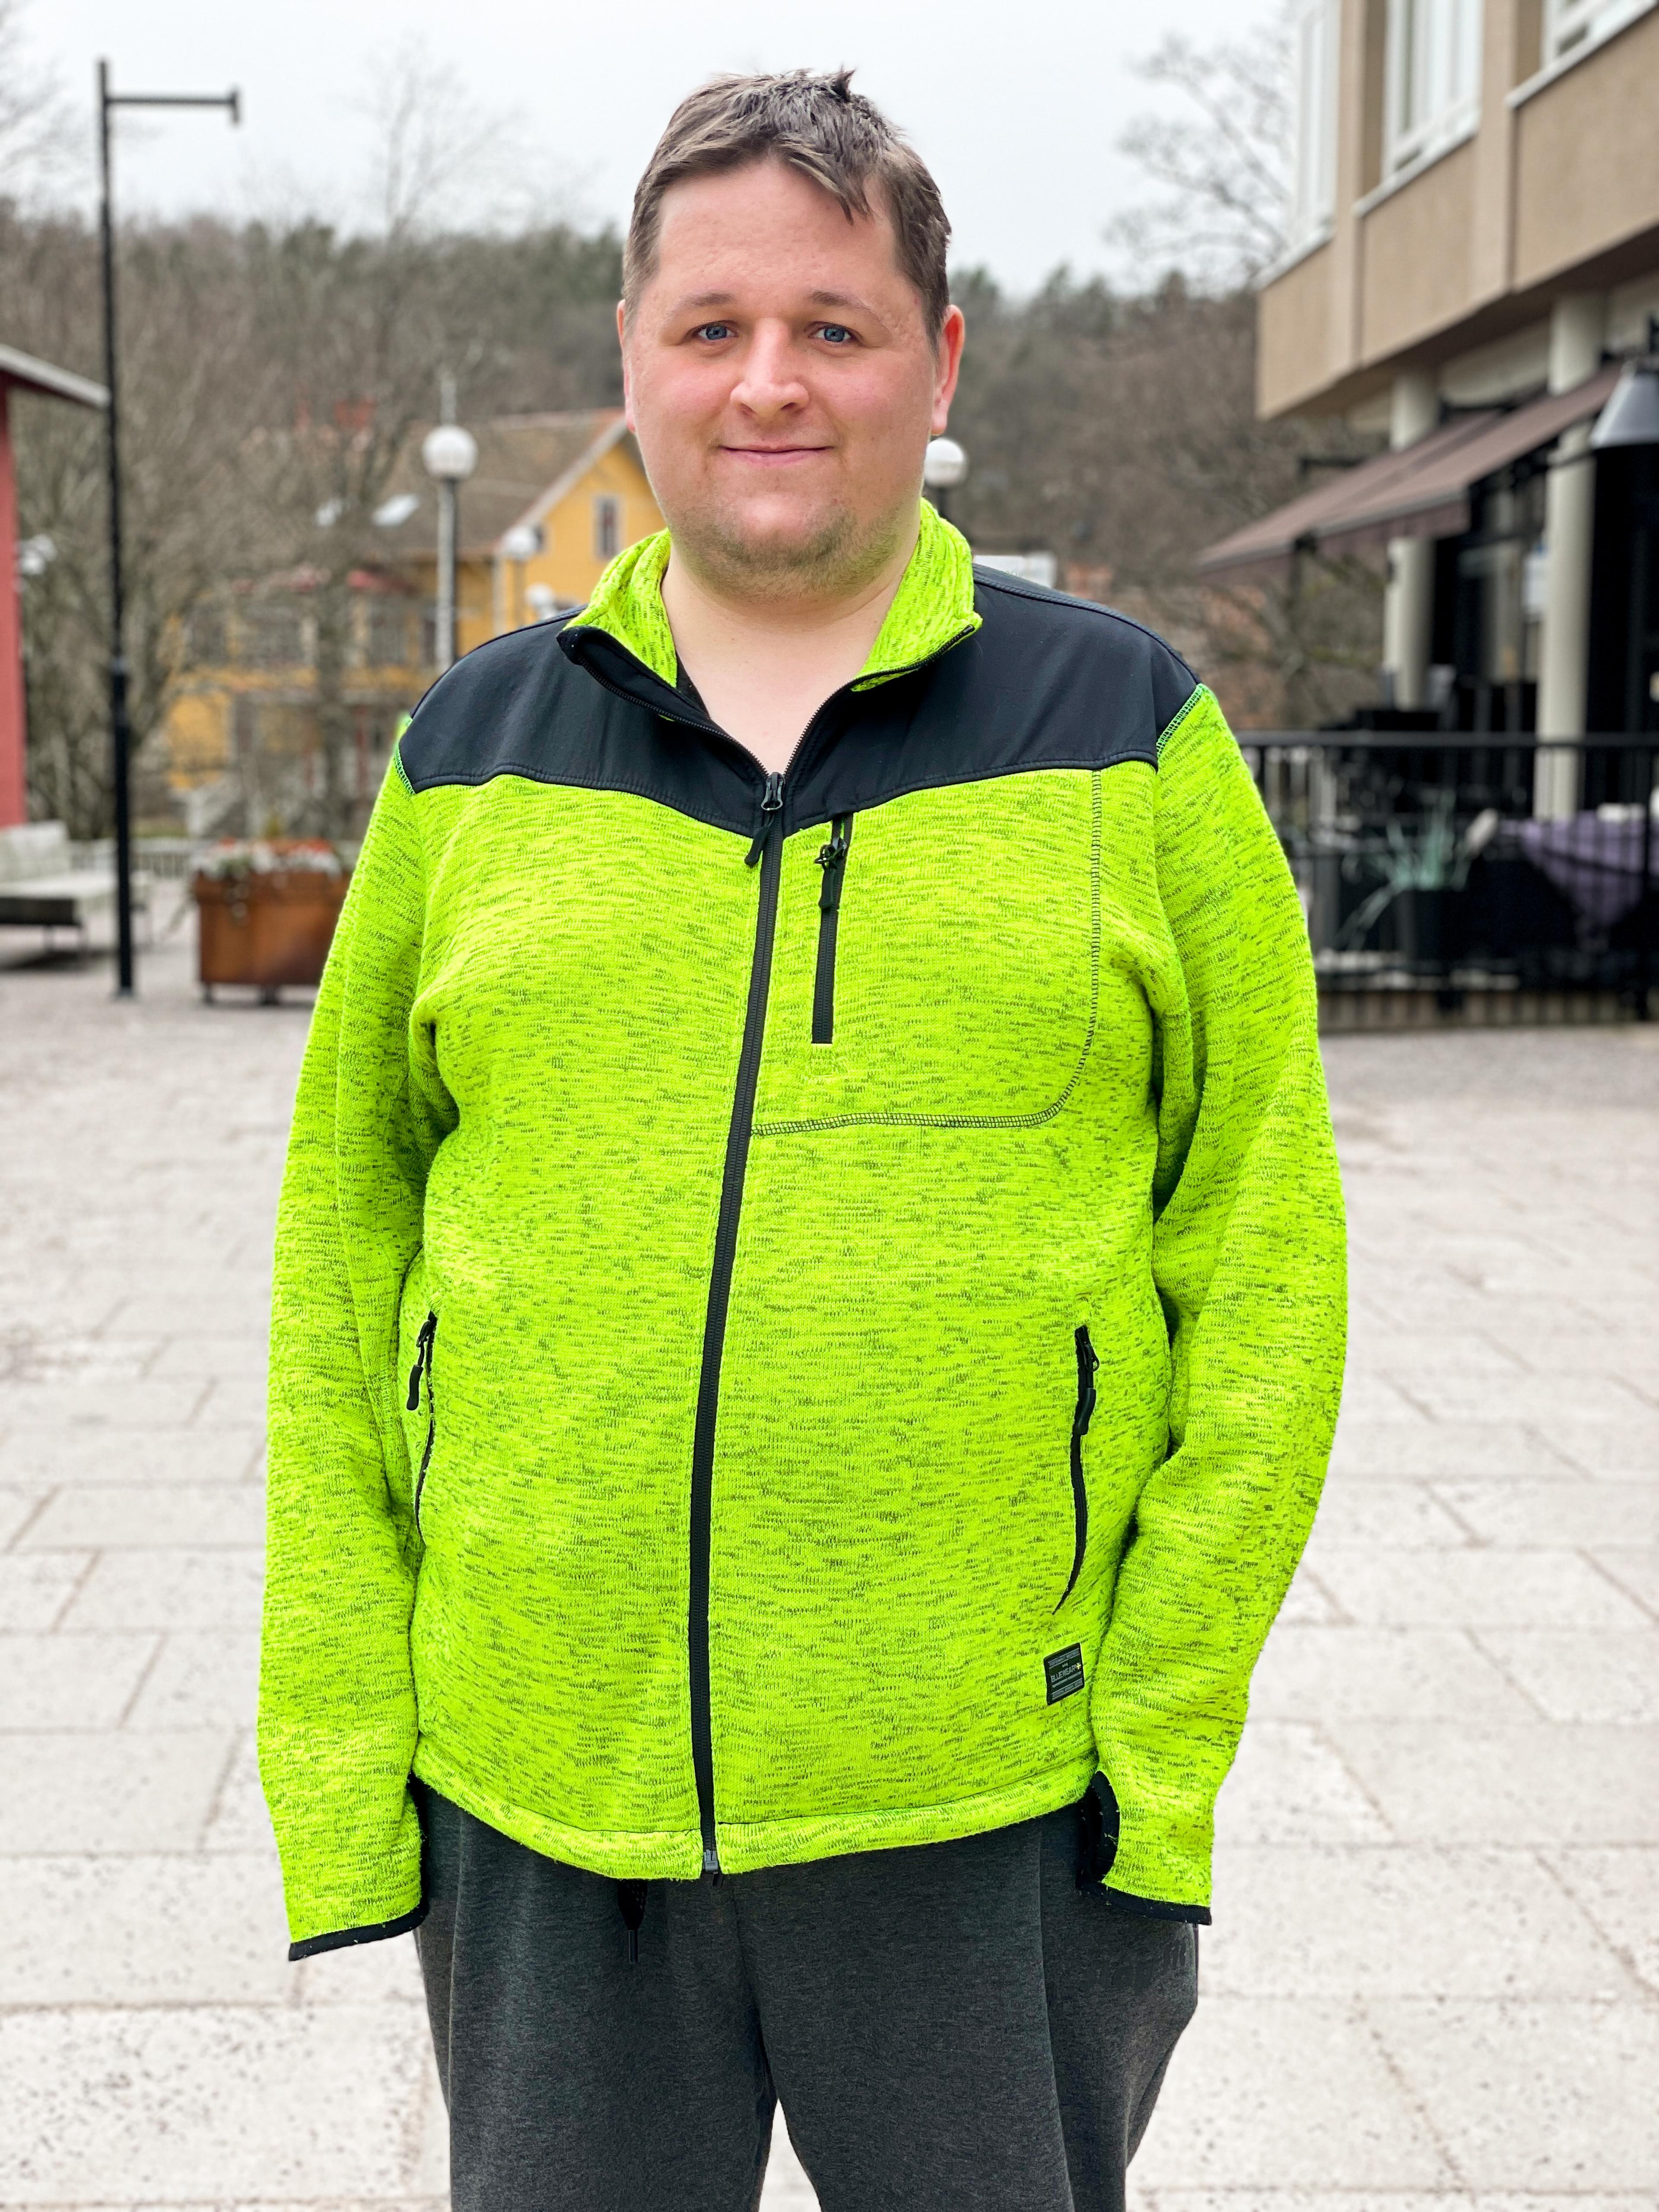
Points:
[(771, 456)]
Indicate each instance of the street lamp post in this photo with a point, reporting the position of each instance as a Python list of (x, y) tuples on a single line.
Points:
[(449, 455), (943, 467), (120, 727)]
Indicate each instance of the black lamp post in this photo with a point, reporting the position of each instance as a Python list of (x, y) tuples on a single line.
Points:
[(121, 727)]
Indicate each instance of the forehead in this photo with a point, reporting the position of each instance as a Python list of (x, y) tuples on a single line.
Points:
[(765, 226)]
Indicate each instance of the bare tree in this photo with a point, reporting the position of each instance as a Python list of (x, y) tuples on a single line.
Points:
[(1225, 175), (36, 140)]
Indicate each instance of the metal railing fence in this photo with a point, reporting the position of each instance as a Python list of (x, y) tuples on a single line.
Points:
[(1487, 878)]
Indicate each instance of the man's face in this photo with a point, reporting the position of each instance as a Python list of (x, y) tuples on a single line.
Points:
[(783, 383)]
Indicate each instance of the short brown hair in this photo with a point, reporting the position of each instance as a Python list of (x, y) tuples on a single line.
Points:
[(816, 123)]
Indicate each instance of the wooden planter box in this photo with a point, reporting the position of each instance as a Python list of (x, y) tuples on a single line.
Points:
[(264, 931)]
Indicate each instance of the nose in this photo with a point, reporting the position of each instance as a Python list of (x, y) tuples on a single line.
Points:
[(771, 383)]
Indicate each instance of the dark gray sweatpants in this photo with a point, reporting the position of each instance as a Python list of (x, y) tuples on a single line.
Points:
[(952, 2026)]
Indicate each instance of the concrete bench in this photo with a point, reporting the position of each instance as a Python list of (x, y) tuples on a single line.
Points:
[(41, 888)]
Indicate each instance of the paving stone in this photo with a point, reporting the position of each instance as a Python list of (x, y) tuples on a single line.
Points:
[(212, 1355), (1634, 1568), (70, 1681), (102, 1930), (169, 1589), (117, 1407), (50, 1457), (1285, 2092), (1618, 1888), (1441, 1781), (1288, 1784), (1551, 1515), (117, 1792), (17, 1508), (210, 2102), (1393, 1514), (1473, 1588), (1404, 1674), (204, 1678), (1533, 2096), (1453, 1449), (1581, 1399), (361, 1973), (1581, 1674), (36, 1587), (1624, 1446), (151, 1517), (1341, 1921), (240, 1821), (233, 1402)]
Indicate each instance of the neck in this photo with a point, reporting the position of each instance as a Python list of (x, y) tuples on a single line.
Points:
[(707, 606), (764, 665)]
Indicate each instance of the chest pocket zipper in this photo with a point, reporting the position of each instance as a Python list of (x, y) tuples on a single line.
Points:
[(423, 1344), (833, 861), (1088, 1361)]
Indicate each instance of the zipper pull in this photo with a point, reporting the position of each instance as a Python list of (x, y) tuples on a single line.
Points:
[(771, 807), (423, 1360), (832, 859)]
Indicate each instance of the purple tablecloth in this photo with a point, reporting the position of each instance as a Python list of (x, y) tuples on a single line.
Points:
[(1597, 864)]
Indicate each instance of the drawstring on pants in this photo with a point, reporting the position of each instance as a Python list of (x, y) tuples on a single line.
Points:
[(630, 1902)]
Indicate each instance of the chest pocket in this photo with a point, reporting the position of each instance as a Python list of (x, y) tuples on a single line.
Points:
[(937, 959)]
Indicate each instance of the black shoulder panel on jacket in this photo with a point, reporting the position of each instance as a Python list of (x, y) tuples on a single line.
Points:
[(1047, 682)]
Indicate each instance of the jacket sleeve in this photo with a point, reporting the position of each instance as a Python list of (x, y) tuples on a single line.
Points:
[(337, 1696), (1250, 1263)]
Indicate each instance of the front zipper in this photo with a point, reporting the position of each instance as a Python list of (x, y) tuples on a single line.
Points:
[(423, 1344), (766, 852), (833, 861), (1087, 1362)]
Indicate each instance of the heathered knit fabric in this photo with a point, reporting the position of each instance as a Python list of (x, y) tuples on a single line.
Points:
[(1074, 1081)]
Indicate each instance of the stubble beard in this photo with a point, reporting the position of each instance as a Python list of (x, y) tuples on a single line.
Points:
[(836, 559)]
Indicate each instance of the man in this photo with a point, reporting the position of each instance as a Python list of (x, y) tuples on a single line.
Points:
[(808, 1299)]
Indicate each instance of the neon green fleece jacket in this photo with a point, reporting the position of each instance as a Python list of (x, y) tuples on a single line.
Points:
[(809, 1309)]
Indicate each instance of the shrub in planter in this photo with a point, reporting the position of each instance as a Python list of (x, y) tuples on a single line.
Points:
[(267, 908)]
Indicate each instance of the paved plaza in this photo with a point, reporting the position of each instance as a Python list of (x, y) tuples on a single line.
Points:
[(1433, 1977)]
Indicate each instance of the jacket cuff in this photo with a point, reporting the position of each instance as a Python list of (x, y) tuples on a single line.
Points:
[(375, 1932), (1153, 1908)]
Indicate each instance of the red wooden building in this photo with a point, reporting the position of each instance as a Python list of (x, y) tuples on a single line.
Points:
[(20, 371)]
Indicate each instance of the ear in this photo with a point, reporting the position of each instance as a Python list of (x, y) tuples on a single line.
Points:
[(947, 366), (627, 377)]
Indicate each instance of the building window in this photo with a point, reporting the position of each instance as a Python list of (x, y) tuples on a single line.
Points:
[(1434, 77), (607, 525), (386, 635), (1315, 32), (1571, 27)]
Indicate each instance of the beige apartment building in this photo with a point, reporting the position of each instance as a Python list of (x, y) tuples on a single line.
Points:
[(1474, 252)]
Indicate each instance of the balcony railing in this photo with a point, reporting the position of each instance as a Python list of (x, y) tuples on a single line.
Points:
[(1491, 878)]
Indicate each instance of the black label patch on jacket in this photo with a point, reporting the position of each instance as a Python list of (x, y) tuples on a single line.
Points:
[(1065, 1673)]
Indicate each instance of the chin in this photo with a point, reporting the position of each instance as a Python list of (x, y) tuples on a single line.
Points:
[(750, 545)]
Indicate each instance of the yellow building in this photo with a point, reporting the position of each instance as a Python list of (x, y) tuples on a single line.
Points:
[(553, 498), (573, 483)]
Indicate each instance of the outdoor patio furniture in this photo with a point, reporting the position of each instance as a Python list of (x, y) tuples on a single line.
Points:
[(41, 887)]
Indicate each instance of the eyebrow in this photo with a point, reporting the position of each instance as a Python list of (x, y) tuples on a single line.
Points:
[(693, 300)]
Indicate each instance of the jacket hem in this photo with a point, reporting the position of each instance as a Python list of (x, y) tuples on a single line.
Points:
[(746, 1846), (624, 1854), (374, 1931)]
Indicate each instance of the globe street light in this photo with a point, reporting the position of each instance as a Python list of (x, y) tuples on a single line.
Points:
[(449, 455), (522, 542), (943, 467)]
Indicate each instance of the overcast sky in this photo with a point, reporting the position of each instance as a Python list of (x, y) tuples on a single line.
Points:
[(1018, 108)]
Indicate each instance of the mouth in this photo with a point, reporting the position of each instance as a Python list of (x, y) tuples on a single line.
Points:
[(764, 457)]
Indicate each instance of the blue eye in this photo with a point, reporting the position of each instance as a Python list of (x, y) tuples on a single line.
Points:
[(712, 331), (836, 333)]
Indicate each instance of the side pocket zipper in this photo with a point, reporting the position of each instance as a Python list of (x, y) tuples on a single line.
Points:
[(423, 1344), (833, 861), (1088, 1361)]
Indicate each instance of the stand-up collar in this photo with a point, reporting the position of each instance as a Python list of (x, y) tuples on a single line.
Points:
[(933, 608)]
